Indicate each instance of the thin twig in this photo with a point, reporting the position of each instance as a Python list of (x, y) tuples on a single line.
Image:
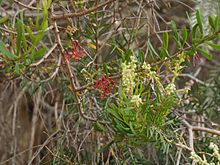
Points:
[(42, 146), (26, 34), (208, 130), (78, 14), (26, 6)]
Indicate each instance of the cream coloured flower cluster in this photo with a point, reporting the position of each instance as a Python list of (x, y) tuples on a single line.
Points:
[(215, 154), (171, 88), (128, 75), (198, 159), (136, 100)]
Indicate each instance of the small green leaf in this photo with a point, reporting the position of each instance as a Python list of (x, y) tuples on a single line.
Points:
[(214, 46), (38, 38), (175, 34), (191, 52), (205, 54), (141, 56), (211, 38), (4, 19), (152, 50), (165, 40), (30, 33), (127, 54), (217, 22), (99, 127), (199, 21), (141, 88), (106, 147), (164, 53), (38, 17), (105, 68), (132, 128), (194, 31), (17, 68), (184, 35), (21, 40), (114, 113), (5, 52), (49, 3), (19, 37), (44, 4), (44, 24), (212, 24), (38, 54), (174, 29)]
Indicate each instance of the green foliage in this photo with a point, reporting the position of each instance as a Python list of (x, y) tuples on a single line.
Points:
[(6, 53)]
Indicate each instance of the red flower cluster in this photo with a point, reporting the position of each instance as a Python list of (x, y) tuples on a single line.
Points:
[(77, 51), (105, 86)]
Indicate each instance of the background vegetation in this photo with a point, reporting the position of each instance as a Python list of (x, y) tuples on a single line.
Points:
[(109, 82)]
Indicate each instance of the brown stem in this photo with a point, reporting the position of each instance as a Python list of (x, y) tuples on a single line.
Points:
[(70, 73), (63, 16)]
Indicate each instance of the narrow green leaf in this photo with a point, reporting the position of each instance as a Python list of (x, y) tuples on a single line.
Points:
[(214, 46), (38, 54), (19, 37), (141, 88), (115, 114), (113, 106), (205, 54), (5, 52), (199, 21), (124, 127), (132, 128), (99, 127), (17, 68), (151, 48), (175, 33), (49, 3), (4, 19), (174, 29), (44, 4), (140, 56), (212, 24), (217, 22), (194, 31), (30, 33), (106, 147), (191, 52), (164, 53), (24, 41), (44, 24), (211, 38), (184, 35), (38, 38), (105, 68), (165, 40), (38, 17)]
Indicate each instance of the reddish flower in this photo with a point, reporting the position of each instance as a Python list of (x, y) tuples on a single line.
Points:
[(67, 56), (105, 86), (76, 50)]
